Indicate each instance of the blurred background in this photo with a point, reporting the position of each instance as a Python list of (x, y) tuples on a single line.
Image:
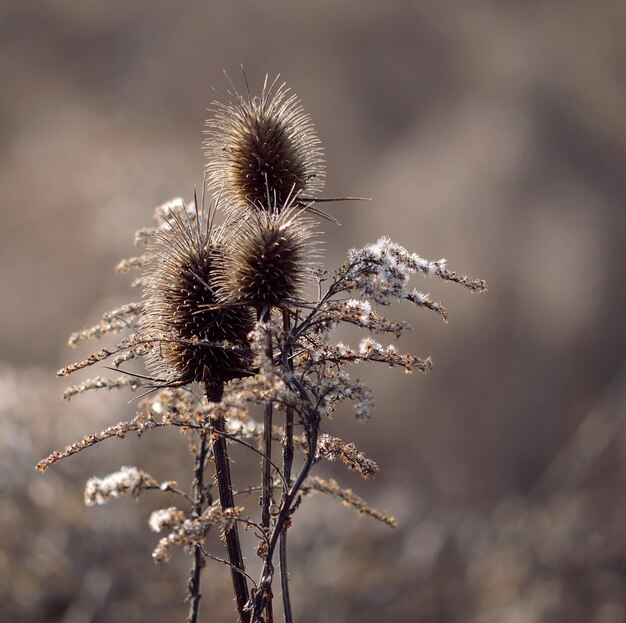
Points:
[(489, 133)]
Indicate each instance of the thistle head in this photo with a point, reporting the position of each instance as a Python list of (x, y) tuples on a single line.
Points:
[(263, 149), (269, 258), (195, 338)]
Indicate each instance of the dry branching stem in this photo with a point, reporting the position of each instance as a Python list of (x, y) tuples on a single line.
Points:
[(199, 493), (231, 534)]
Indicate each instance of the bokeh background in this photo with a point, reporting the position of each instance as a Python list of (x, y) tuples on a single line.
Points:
[(489, 133)]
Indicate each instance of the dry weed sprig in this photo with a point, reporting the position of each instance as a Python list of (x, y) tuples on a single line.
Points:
[(127, 480), (332, 449), (139, 424), (111, 322), (269, 257), (131, 263), (99, 382), (188, 533), (348, 497)]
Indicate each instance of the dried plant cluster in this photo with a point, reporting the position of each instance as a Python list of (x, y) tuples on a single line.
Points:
[(239, 347)]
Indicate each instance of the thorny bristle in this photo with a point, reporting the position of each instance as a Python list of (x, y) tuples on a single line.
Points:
[(269, 258), (201, 343), (262, 149), (164, 215)]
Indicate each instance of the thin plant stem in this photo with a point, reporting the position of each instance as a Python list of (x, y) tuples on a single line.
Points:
[(264, 592), (267, 494), (287, 464), (231, 534), (268, 415), (225, 562), (199, 493)]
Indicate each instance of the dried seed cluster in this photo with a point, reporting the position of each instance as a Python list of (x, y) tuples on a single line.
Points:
[(262, 150), (199, 340), (269, 258)]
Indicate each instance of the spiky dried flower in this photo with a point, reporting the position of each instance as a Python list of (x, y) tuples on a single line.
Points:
[(199, 340), (269, 258), (262, 149)]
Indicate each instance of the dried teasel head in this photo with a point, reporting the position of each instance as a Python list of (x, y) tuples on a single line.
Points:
[(263, 149), (269, 258), (196, 340)]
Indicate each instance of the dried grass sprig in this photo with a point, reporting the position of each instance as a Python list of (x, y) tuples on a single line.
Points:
[(127, 480), (348, 497), (139, 424), (111, 322), (332, 449), (188, 533), (131, 263), (99, 382)]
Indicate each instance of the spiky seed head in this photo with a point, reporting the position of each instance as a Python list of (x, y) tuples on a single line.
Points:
[(196, 341), (261, 150), (269, 258)]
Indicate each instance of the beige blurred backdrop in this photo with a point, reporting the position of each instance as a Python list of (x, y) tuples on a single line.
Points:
[(492, 134)]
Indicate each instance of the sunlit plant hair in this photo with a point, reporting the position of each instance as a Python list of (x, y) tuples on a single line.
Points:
[(263, 149), (204, 284)]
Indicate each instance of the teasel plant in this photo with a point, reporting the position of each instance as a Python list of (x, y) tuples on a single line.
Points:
[(237, 317)]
